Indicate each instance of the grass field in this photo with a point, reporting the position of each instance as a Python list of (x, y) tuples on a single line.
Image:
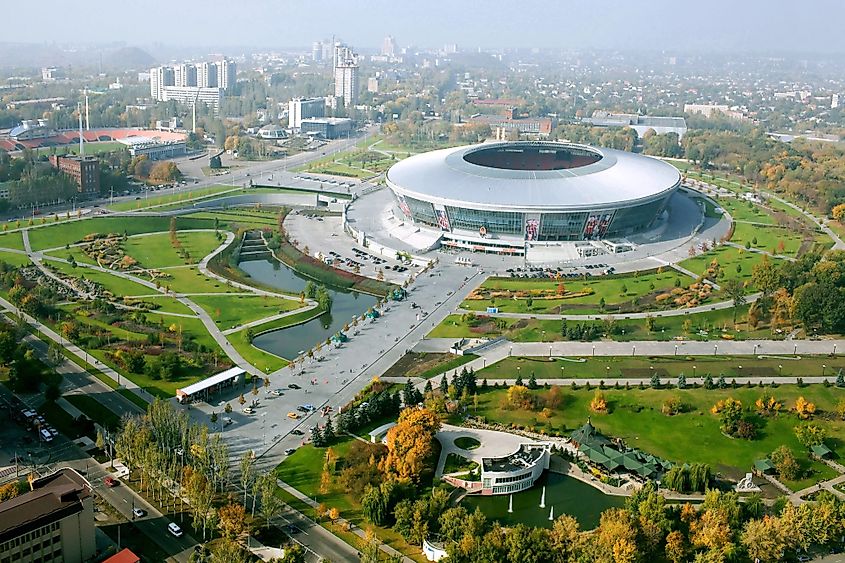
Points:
[(264, 361), (96, 147), (95, 411), (715, 324), (643, 367), (728, 258), (14, 258), (198, 193), (156, 250), (191, 280), (12, 240), (118, 286), (229, 311), (777, 240), (69, 232), (607, 288), (635, 416)]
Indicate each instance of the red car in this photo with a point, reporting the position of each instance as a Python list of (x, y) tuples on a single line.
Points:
[(111, 482)]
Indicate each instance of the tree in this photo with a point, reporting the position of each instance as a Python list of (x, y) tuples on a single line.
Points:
[(785, 463), (247, 468), (767, 405), (676, 547), (410, 444), (810, 434), (735, 290), (730, 413), (519, 397), (232, 521), (598, 404), (804, 408), (294, 553)]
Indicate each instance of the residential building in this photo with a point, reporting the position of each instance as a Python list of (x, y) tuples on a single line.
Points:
[(51, 73), (372, 85), (85, 170), (52, 522), (304, 108), (346, 75), (834, 101), (185, 75), (207, 75), (160, 77), (317, 51), (537, 126), (226, 74), (327, 127), (388, 47), (209, 96)]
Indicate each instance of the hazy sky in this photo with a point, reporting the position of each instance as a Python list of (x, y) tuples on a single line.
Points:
[(725, 25)]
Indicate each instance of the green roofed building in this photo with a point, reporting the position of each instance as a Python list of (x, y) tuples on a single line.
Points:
[(764, 466), (600, 450), (821, 451)]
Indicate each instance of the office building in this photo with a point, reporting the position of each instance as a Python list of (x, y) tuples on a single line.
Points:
[(304, 108), (317, 51), (346, 75), (388, 48), (52, 522), (186, 95), (159, 78), (226, 74), (639, 123), (185, 75), (326, 127), (207, 75), (85, 170)]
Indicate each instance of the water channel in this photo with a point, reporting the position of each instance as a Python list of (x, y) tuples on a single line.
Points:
[(289, 342), (566, 494)]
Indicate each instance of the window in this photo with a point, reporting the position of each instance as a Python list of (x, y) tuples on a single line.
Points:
[(505, 222)]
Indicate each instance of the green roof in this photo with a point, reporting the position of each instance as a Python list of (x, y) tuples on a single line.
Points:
[(821, 450), (763, 465)]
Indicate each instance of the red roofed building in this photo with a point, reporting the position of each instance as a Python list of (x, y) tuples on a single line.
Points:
[(123, 556)]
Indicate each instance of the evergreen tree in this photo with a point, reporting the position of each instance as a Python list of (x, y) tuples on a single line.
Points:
[(721, 382), (682, 381), (317, 437), (427, 389), (328, 432), (518, 380), (708, 381), (655, 381), (444, 385), (840, 379), (484, 384), (532, 381), (408, 394)]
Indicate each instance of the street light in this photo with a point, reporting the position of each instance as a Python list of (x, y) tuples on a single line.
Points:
[(715, 349), (594, 350), (633, 350), (676, 349), (780, 369), (795, 350), (693, 371), (754, 353), (824, 367)]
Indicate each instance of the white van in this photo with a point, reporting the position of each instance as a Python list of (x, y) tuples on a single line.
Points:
[(45, 435)]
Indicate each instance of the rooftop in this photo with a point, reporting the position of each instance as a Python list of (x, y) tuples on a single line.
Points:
[(211, 381), (525, 457), (55, 496)]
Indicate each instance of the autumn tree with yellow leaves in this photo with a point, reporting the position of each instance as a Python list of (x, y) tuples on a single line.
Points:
[(410, 444)]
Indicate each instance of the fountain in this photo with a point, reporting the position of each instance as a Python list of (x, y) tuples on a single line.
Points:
[(510, 503), (552, 513), (543, 498)]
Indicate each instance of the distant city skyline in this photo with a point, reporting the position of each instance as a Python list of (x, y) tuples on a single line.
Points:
[(714, 26)]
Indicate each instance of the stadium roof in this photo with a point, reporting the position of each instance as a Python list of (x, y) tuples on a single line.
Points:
[(618, 178)]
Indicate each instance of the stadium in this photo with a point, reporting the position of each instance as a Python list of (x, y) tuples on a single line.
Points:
[(505, 196)]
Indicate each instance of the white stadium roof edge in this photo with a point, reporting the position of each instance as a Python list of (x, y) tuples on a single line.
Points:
[(208, 382), (618, 178)]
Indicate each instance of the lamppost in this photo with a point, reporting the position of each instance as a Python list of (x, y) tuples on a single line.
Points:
[(780, 369), (676, 349), (594, 350), (693, 371), (795, 350), (754, 353), (824, 367), (550, 350), (633, 350), (715, 349)]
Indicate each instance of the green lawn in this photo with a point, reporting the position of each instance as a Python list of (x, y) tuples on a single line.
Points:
[(716, 324), (264, 361), (94, 147), (156, 250), (741, 210), (768, 238), (607, 288), (728, 258), (61, 420), (229, 311), (250, 218), (612, 367), (635, 416), (117, 285), (163, 303), (198, 193), (191, 280), (56, 235), (12, 240), (14, 258)]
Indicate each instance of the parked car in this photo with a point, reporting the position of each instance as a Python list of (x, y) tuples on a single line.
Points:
[(294, 386), (110, 482), (277, 392), (249, 410), (290, 451), (139, 512), (174, 529), (293, 415), (297, 432)]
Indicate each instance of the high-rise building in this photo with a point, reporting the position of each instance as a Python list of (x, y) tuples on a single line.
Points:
[(212, 97), (226, 73), (345, 75), (304, 108), (372, 85), (185, 75), (160, 77), (52, 522), (834, 101), (207, 75), (317, 51), (388, 48)]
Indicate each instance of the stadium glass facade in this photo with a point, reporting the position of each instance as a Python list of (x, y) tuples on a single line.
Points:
[(544, 226)]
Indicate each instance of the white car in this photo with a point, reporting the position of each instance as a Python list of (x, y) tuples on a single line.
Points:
[(174, 529), (139, 512), (249, 410)]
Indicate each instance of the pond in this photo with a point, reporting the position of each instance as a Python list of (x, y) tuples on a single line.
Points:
[(289, 342), (567, 494)]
